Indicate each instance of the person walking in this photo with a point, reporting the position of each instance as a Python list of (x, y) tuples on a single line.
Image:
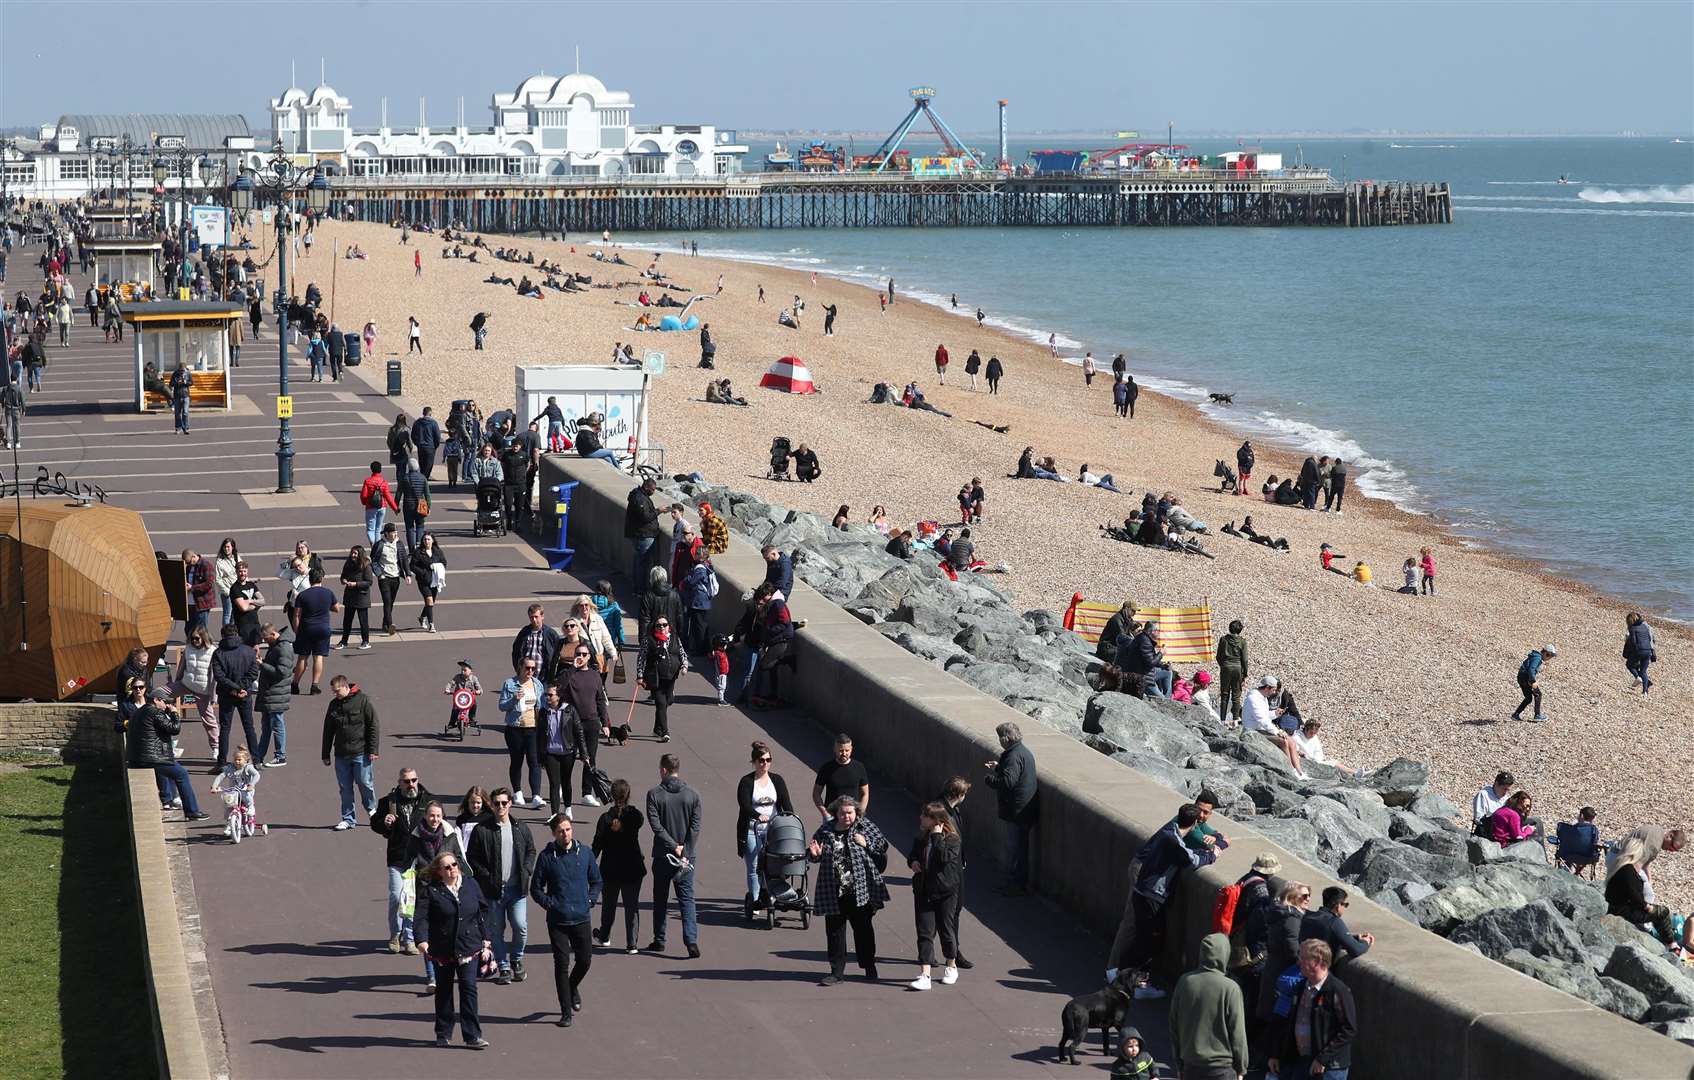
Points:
[(148, 740), (432, 836), (560, 738), (566, 883), (1088, 370), (660, 663), (417, 264), (429, 569), (993, 372), (520, 697), (336, 343), (582, 687), (414, 336), (393, 819), (414, 501), (851, 854), (426, 438), (617, 844), (350, 743), (973, 364), (941, 364), (479, 330), (501, 853), (390, 561), (356, 582), (1013, 779), (1316, 1038), (400, 448), (937, 866), (759, 796), (275, 672), (375, 495), (1231, 658), (1208, 1019), (674, 815), (235, 674), (452, 914), (1638, 650), (1529, 681)]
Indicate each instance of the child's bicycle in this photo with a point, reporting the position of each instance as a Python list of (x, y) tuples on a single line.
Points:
[(240, 819), (460, 718)]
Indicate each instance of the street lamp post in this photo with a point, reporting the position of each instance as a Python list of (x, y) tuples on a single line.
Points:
[(281, 178)]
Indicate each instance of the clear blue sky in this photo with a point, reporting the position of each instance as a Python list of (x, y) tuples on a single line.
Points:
[(1231, 67)]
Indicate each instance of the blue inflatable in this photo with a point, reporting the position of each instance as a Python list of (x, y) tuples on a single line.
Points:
[(671, 322)]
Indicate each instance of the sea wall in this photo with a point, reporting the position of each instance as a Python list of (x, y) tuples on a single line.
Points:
[(73, 731), (1427, 1006)]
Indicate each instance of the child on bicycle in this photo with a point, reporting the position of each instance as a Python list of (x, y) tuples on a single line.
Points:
[(465, 680), (238, 778)]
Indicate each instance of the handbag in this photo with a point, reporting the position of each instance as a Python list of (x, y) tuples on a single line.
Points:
[(423, 507), (601, 784), (619, 675), (408, 892)]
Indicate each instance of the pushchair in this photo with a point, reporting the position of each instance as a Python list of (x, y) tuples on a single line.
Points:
[(781, 451), (787, 870), (490, 517)]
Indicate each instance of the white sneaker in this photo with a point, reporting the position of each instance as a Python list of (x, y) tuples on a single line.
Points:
[(591, 800), (365, 646), (920, 983), (1539, 718), (949, 976), (342, 826), (536, 802)]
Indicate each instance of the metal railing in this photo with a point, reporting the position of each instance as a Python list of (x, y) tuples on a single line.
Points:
[(507, 184)]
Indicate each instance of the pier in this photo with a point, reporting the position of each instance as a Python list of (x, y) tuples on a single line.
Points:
[(857, 200)]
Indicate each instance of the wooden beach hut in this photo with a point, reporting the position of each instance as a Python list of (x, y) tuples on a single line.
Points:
[(128, 264), (193, 332), (90, 592)]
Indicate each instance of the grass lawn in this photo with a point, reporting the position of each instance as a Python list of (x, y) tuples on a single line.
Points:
[(72, 988)]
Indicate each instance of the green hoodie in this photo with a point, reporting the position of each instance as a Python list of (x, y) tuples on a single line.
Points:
[(1207, 1018), (1232, 650)]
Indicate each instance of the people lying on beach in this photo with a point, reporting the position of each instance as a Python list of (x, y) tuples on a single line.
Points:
[(668, 301), (1326, 559), (553, 283), (1177, 518), (900, 544), (719, 393), (1246, 531), (913, 398), (1361, 572), (496, 279), (1092, 480)]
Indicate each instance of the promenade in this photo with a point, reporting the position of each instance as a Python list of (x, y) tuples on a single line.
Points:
[(293, 924)]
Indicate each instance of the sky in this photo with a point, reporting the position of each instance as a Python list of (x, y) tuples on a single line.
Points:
[(826, 65)]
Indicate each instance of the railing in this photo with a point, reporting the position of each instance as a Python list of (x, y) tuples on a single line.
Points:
[(1301, 179)]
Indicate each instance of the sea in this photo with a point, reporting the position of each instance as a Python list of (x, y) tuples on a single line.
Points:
[(1524, 375)]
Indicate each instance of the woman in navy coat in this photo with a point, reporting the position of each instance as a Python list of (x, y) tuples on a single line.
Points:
[(452, 930)]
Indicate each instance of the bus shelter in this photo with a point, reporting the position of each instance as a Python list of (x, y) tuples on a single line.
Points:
[(192, 333), (128, 264)]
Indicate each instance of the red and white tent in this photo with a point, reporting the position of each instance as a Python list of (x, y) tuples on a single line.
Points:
[(790, 376)]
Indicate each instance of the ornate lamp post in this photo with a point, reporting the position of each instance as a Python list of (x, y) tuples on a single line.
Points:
[(281, 178)]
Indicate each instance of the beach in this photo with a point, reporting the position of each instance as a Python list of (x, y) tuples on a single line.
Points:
[(1431, 678)]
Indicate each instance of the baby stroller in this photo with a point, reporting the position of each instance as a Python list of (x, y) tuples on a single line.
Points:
[(490, 517), (787, 870), (781, 451)]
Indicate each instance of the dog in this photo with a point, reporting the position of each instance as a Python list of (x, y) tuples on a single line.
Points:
[(1222, 399), (620, 733), (1226, 477), (1106, 1009)]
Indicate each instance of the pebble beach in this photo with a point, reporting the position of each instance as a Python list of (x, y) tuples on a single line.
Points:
[(1389, 675)]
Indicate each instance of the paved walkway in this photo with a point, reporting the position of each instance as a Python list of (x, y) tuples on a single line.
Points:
[(294, 923)]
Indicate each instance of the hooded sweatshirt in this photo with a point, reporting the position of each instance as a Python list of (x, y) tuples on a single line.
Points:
[(1141, 1065), (673, 814), (1207, 1018)]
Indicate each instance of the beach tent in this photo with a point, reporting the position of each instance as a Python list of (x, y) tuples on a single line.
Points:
[(1185, 633), (790, 376)]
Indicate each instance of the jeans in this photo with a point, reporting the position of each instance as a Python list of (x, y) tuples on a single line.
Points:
[(373, 524), (348, 772), (179, 409), (1302, 1070), (426, 461), (630, 893), (642, 560), (272, 723), (753, 860), (414, 525), (173, 783), (521, 750), (1017, 853), (864, 936), (196, 617), (34, 373), (228, 707), (664, 877), (229, 610), (1531, 693), (606, 456), (1160, 680), (399, 926), (512, 907), (465, 975), (571, 943), (1638, 668), (1333, 497)]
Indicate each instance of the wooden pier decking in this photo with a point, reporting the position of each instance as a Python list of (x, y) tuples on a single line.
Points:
[(827, 201)]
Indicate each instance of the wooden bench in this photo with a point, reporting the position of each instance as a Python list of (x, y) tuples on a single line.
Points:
[(205, 388)]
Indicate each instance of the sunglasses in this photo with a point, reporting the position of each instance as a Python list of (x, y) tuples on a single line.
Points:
[(662, 625), (449, 866), (766, 760), (583, 655), (408, 779), (502, 802)]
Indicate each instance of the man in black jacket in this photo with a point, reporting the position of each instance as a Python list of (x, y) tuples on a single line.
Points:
[(426, 436), (502, 855), (641, 528), (235, 673), (539, 642), (1244, 459), (1327, 925), (148, 742), (1014, 782), (1316, 1037), (350, 744), (393, 819), (673, 815)]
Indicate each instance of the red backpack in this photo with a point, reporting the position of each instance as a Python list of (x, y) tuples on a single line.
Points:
[(1223, 909)]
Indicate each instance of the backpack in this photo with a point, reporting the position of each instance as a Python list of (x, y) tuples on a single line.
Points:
[(1223, 910), (711, 580), (1242, 955)]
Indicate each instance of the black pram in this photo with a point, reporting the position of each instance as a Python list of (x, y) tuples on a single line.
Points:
[(490, 517), (787, 870), (781, 452)]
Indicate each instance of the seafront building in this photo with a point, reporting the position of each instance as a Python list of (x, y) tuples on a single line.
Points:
[(551, 126)]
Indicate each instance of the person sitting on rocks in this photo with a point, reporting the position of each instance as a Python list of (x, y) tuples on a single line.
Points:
[(961, 554), (900, 544), (1141, 656), (1488, 800), (1122, 622), (1627, 897), (1506, 826), (1327, 925), (1260, 714), (1311, 744)]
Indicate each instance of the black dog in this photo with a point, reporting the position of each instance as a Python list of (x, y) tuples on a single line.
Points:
[(1106, 1009), (620, 733), (1222, 399)]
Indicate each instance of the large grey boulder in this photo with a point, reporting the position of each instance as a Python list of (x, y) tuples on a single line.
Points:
[(1294, 834), (1399, 782), (1130, 724), (1253, 749), (1606, 932), (926, 618), (1434, 807), (1270, 796), (934, 649), (1382, 864), (1651, 973), (1405, 825), (1367, 805), (1487, 851), (1339, 832), (1662, 1011), (1680, 1030), (1181, 781), (1061, 718), (1004, 682), (1507, 884), (1575, 980), (1632, 1004), (1538, 928)]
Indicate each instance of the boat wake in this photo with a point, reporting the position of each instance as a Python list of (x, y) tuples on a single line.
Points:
[(1663, 193)]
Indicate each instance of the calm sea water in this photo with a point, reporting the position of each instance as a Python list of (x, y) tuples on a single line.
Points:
[(1526, 373)]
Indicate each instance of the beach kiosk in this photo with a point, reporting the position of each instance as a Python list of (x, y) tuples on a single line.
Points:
[(616, 392), (194, 332), (125, 263)]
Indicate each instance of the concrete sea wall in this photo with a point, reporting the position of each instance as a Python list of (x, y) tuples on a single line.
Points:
[(1427, 1007)]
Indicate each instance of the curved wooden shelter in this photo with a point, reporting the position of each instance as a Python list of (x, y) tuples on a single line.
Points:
[(90, 592)]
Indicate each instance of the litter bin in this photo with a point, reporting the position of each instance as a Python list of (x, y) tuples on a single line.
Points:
[(394, 378), (353, 347)]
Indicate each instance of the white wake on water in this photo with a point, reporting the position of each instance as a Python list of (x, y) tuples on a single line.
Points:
[(1663, 193)]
